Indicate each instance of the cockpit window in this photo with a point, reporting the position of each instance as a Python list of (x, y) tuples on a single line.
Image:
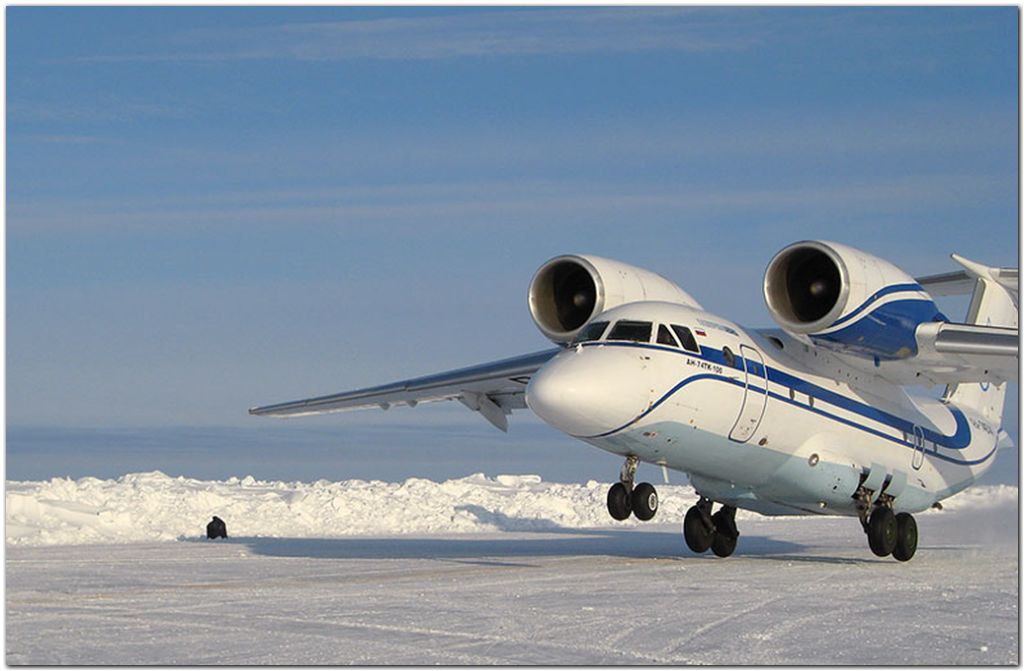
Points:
[(665, 337), (630, 330), (686, 338), (590, 332)]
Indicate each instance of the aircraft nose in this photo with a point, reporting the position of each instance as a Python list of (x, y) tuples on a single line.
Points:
[(582, 395)]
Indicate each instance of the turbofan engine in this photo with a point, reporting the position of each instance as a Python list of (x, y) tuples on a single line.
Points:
[(567, 291), (847, 300)]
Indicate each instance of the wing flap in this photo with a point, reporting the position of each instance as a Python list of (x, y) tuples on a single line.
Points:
[(951, 352), (974, 339)]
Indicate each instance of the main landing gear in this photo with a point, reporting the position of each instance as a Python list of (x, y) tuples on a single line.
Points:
[(888, 533), (702, 530), (625, 499)]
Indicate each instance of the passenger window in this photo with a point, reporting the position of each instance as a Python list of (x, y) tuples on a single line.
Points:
[(665, 337), (629, 330), (686, 338), (730, 358), (590, 332)]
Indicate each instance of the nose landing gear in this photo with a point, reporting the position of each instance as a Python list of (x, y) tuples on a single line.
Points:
[(619, 503), (624, 498), (702, 530)]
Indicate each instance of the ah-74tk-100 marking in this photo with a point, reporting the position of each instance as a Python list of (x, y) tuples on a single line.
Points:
[(816, 417)]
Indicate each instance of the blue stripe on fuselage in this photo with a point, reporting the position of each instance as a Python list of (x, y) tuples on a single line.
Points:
[(958, 441)]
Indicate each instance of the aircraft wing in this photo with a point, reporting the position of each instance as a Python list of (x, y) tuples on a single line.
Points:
[(493, 389), (961, 282), (972, 352)]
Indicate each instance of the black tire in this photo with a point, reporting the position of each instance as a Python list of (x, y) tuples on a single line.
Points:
[(882, 532), (723, 543), (618, 502), (698, 537), (906, 537), (644, 501)]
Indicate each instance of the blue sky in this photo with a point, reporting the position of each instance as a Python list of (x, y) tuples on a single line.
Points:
[(212, 208)]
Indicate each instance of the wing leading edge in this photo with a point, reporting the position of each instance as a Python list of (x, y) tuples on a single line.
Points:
[(493, 389), (960, 282)]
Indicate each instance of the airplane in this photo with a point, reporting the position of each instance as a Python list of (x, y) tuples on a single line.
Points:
[(825, 415)]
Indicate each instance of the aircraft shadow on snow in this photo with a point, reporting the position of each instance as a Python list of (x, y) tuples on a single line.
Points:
[(572, 542), (552, 540)]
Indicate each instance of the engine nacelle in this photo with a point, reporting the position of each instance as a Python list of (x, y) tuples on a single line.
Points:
[(847, 300), (567, 291)]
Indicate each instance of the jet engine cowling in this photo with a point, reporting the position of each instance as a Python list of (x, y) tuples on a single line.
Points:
[(847, 300), (568, 291)]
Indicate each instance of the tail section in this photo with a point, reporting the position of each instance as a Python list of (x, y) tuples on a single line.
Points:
[(993, 303)]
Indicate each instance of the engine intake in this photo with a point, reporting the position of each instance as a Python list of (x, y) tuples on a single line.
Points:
[(806, 287), (568, 291), (564, 294)]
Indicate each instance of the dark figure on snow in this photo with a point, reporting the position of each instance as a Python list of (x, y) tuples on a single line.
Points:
[(216, 528)]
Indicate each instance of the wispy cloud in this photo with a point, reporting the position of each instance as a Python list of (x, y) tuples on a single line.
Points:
[(67, 139), (480, 33), (408, 207), (109, 109)]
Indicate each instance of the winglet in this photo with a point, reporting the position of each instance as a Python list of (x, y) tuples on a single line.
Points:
[(1008, 278), (974, 268)]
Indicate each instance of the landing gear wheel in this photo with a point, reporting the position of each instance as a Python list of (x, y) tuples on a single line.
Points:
[(618, 501), (723, 543), (696, 533), (906, 537), (882, 531), (644, 501)]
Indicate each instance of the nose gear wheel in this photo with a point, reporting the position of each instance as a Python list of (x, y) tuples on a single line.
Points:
[(624, 499)]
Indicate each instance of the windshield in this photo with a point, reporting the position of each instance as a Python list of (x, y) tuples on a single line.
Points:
[(630, 330), (590, 332), (686, 338)]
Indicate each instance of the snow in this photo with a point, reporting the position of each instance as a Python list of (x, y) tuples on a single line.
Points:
[(156, 507), (504, 570)]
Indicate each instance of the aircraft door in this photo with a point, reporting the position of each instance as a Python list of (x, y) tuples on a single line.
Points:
[(755, 395), (917, 460)]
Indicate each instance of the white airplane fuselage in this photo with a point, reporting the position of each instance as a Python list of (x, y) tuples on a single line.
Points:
[(777, 427)]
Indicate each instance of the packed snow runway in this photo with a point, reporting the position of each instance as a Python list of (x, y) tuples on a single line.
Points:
[(503, 570)]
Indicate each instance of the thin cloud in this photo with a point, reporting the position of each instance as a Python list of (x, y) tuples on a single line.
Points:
[(486, 33), (67, 139), (527, 204), (103, 111)]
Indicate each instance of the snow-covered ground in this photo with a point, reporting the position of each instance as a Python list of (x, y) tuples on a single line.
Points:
[(156, 507), (483, 570)]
